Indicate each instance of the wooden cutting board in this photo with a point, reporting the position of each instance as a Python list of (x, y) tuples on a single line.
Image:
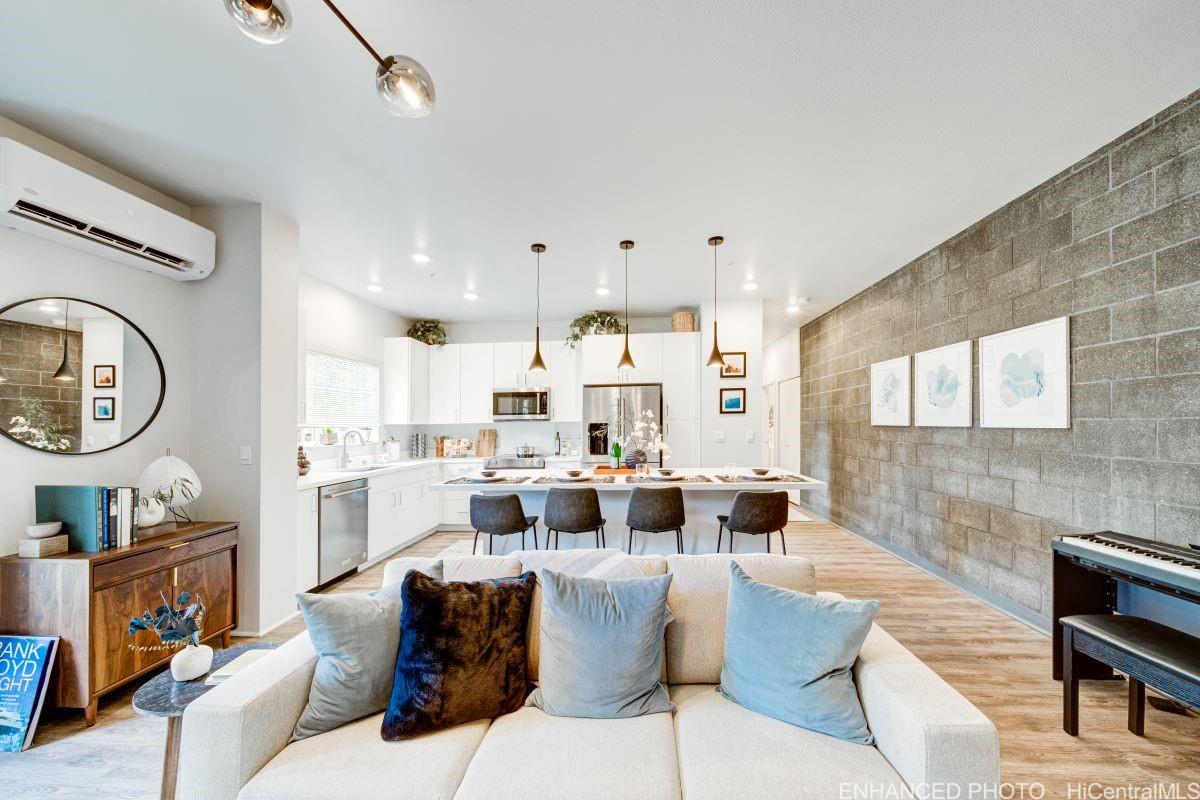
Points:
[(485, 444), (611, 471)]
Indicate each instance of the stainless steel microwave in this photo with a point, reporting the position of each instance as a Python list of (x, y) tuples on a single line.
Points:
[(523, 403)]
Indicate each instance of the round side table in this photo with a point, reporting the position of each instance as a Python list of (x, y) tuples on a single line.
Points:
[(163, 696)]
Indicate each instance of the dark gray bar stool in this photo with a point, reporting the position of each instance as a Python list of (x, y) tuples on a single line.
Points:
[(755, 513), (656, 511), (500, 515), (573, 511)]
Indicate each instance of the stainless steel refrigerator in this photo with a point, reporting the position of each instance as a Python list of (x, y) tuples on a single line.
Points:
[(609, 411)]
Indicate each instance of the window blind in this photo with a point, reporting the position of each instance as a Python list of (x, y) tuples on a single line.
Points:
[(340, 392)]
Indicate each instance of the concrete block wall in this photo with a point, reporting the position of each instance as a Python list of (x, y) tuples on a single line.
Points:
[(1114, 242)]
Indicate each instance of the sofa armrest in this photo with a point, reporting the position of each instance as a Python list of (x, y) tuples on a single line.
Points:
[(232, 731), (932, 735)]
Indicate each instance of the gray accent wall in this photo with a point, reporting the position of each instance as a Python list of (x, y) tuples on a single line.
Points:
[(1114, 242)]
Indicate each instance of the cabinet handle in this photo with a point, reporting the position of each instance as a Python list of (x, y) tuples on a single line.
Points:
[(174, 546), (345, 492)]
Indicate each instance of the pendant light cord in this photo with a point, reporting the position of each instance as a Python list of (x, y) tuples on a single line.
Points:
[(627, 293), (354, 31), (538, 317)]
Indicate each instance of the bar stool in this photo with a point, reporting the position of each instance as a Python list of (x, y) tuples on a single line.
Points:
[(500, 515), (656, 511), (755, 513), (573, 511)]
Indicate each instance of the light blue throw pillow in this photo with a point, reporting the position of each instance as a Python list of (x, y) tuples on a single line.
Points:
[(356, 636), (789, 655), (602, 646)]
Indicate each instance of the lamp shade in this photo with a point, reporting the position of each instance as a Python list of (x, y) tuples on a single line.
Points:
[(405, 87), (264, 21), (171, 480)]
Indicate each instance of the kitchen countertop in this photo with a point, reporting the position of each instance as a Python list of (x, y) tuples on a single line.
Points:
[(324, 477), (619, 484)]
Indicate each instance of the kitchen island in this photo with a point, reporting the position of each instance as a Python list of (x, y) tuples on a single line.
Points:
[(706, 493)]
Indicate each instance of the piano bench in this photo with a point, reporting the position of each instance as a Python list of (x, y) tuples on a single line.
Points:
[(1146, 651)]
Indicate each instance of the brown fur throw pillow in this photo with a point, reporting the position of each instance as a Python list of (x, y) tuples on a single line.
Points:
[(462, 653)]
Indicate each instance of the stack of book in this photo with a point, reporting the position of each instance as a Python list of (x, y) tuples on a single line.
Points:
[(94, 518)]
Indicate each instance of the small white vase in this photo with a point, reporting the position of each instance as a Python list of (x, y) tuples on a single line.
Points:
[(151, 513), (191, 662)]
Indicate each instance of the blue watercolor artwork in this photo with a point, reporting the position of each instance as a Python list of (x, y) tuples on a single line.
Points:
[(942, 386), (1022, 377), (889, 392)]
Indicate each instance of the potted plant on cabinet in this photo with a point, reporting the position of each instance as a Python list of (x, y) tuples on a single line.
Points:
[(593, 323)]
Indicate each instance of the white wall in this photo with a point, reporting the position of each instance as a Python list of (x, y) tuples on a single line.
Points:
[(334, 321), (161, 307), (740, 329), (103, 343), (781, 358)]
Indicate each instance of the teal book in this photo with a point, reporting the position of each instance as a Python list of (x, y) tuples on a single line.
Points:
[(80, 509), (25, 664)]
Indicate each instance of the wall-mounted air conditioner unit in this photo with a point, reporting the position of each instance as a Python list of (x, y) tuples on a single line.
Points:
[(47, 198)]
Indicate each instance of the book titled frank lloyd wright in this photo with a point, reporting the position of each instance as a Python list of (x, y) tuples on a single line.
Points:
[(25, 664)]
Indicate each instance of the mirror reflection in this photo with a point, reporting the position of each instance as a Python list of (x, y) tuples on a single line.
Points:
[(75, 377)]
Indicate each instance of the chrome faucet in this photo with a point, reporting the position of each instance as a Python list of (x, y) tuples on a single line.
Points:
[(344, 458)]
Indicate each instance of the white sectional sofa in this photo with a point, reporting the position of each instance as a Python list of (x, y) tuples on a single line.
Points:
[(929, 737)]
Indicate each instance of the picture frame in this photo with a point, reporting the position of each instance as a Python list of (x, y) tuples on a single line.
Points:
[(1025, 376), (104, 409), (733, 400), (734, 365), (942, 387), (104, 376), (891, 392)]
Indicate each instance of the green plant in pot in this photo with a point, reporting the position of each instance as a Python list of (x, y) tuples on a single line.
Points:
[(428, 331), (594, 323)]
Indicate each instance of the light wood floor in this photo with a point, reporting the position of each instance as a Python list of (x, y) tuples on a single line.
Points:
[(999, 664)]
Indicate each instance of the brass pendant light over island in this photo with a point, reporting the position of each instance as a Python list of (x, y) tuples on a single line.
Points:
[(537, 364), (626, 357), (715, 359)]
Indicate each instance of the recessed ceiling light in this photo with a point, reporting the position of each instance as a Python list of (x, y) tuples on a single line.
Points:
[(374, 287), (470, 296), (792, 309), (749, 286), (421, 258), (793, 305), (602, 291)]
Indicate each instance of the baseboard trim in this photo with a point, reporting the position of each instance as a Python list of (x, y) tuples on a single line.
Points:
[(241, 633), (1002, 604)]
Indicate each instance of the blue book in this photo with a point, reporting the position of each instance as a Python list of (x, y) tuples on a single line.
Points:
[(80, 509), (25, 664)]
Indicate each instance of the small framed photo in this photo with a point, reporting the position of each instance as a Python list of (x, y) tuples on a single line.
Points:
[(104, 376), (733, 401), (734, 366), (104, 409)]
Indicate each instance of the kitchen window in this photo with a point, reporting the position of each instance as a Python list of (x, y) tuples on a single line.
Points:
[(340, 394)]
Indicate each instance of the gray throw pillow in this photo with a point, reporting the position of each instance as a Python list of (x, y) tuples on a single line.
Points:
[(602, 646), (356, 637), (789, 655)]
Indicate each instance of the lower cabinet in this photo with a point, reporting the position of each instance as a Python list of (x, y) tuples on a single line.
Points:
[(400, 508), (307, 557)]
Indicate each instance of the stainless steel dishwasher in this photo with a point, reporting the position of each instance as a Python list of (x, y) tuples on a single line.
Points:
[(342, 529)]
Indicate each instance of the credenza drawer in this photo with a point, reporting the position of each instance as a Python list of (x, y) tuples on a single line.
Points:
[(123, 569)]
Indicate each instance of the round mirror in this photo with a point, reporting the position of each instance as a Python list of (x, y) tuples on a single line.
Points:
[(75, 377)]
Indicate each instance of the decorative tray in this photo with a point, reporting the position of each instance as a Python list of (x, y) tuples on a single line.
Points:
[(784, 478), (661, 482), (575, 481), (489, 482)]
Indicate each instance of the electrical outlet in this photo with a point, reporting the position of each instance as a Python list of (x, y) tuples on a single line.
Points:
[(246, 454)]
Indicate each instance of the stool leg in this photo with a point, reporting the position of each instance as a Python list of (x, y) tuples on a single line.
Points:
[(597, 538), (679, 540), (1137, 707), (490, 538), (782, 541), (768, 542), (631, 541), (1070, 685), (523, 538), (603, 543), (720, 535), (475, 543), (731, 541), (535, 544)]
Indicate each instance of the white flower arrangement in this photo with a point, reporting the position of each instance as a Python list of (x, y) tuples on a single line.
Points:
[(647, 436)]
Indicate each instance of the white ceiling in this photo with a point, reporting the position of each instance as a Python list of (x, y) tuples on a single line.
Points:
[(830, 142)]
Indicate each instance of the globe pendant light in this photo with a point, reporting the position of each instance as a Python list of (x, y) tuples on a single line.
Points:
[(537, 364), (715, 359), (264, 21), (626, 357), (65, 373)]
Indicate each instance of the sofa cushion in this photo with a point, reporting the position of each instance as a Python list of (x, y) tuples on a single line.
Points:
[(531, 755), (698, 599), (727, 752), (462, 653), (455, 568), (602, 645), (353, 763), (356, 636), (789, 654)]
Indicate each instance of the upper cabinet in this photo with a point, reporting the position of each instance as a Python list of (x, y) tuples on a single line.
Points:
[(444, 380), (601, 354), (507, 368), (681, 375), (475, 382), (537, 380), (566, 394), (405, 381)]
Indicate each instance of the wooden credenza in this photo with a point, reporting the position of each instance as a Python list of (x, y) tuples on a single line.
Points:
[(88, 599)]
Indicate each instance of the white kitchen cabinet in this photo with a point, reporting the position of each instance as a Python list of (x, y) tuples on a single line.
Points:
[(383, 532), (475, 382), (507, 369), (602, 353), (538, 380), (566, 388), (681, 375), (405, 381), (307, 556), (683, 437), (456, 506), (647, 351), (444, 379)]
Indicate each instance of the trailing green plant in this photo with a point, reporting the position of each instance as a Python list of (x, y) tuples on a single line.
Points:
[(36, 427), (173, 624), (428, 331), (594, 323)]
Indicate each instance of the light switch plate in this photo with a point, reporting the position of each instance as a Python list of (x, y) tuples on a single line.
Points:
[(749, 437), (718, 436), (246, 454)]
